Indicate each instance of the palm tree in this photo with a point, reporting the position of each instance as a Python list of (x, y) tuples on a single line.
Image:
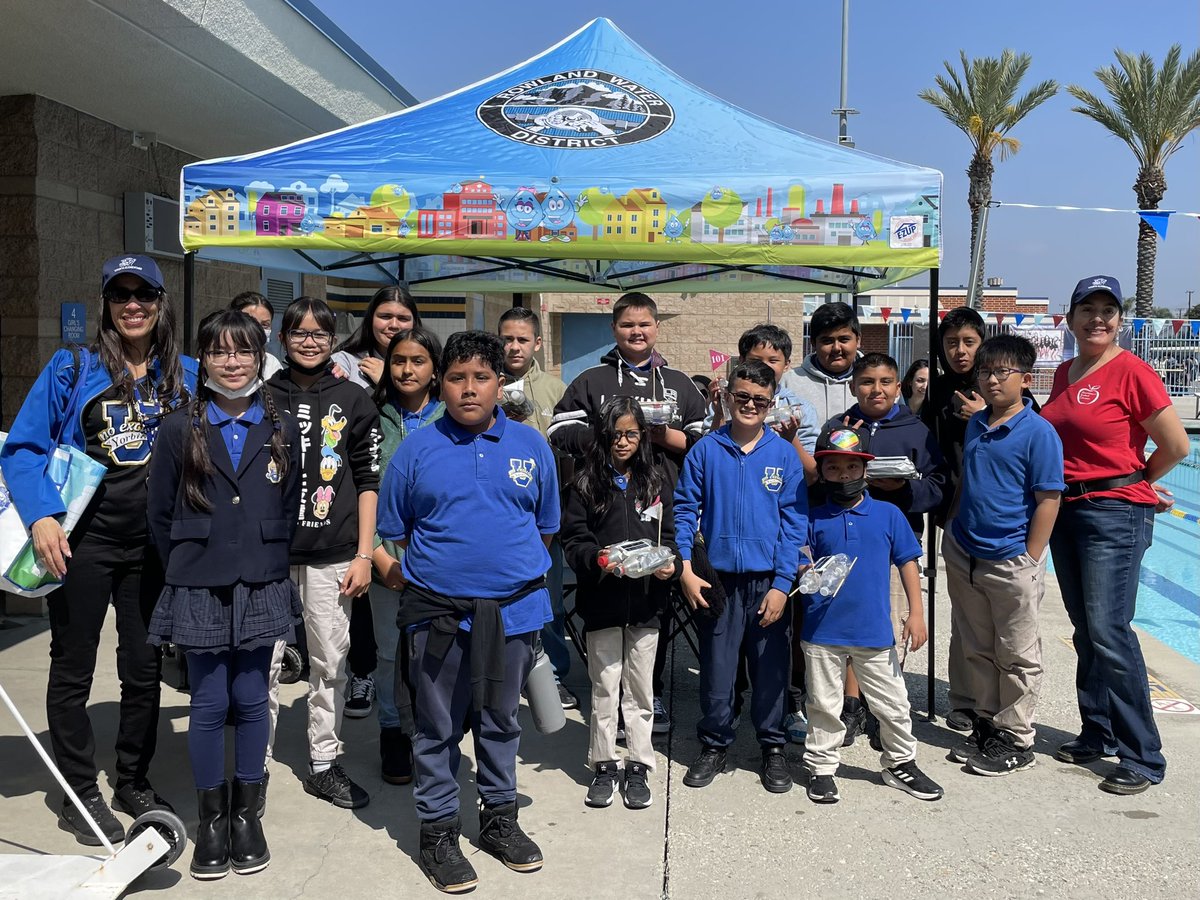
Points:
[(1152, 111), (982, 102)]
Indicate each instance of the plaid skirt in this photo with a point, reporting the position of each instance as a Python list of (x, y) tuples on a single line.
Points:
[(233, 617)]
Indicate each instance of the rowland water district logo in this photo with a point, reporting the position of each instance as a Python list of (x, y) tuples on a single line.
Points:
[(578, 110)]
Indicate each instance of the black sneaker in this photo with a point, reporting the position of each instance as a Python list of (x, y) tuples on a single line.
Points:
[(908, 778), (620, 727), (568, 700), (72, 821), (441, 858), (705, 767), (360, 697), (662, 722), (974, 743), (961, 719), (1000, 756), (334, 786), (637, 788), (500, 835), (600, 792), (137, 798), (775, 775), (854, 717), (873, 736), (823, 789)]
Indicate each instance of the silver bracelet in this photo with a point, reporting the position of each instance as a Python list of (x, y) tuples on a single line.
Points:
[(366, 556)]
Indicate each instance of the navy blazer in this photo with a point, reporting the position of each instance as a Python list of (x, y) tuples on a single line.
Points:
[(246, 535)]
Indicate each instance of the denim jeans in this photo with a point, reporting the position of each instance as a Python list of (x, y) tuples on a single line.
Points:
[(554, 633), (1098, 546)]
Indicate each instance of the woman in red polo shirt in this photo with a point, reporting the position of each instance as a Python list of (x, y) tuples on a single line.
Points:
[(1104, 404)]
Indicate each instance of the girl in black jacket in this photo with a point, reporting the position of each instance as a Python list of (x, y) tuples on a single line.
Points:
[(619, 494), (224, 492)]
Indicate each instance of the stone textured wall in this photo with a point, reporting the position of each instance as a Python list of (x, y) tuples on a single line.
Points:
[(63, 175)]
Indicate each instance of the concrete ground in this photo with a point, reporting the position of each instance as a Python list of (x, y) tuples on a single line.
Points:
[(1045, 832)]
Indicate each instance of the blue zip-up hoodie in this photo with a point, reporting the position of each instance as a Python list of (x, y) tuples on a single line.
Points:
[(31, 440), (752, 508)]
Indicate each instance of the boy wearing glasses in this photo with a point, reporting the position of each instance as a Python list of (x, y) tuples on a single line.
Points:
[(995, 551), (742, 487)]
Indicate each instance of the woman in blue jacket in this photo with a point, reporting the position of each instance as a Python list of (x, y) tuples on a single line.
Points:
[(223, 506), (106, 400)]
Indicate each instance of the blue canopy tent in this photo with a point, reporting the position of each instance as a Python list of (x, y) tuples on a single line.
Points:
[(589, 166)]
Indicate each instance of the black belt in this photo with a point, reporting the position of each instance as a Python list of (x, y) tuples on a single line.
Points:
[(1079, 488)]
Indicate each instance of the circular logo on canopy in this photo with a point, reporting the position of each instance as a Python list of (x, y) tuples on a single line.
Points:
[(578, 110)]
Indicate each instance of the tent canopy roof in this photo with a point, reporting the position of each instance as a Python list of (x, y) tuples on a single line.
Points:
[(590, 165)]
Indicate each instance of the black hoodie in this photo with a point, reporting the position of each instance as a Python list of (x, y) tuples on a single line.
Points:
[(339, 459), (571, 428)]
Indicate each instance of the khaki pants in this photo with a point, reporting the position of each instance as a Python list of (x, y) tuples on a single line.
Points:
[(882, 685), (327, 627), (994, 607), (900, 611), (621, 658)]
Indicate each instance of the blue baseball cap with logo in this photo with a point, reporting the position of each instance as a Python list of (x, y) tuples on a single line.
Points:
[(1095, 284), (132, 264)]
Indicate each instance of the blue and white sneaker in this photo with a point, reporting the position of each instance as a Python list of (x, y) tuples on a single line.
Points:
[(796, 726)]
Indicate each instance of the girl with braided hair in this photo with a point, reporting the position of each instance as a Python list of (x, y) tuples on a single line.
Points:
[(224, 498)]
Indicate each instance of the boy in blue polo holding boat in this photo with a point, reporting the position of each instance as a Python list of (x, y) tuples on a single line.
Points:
[(474, 502)]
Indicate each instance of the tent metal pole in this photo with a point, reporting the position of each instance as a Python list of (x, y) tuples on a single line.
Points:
[(931, 535), (189, 298)]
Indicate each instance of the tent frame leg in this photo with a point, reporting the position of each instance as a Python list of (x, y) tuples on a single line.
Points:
[(931, 532)]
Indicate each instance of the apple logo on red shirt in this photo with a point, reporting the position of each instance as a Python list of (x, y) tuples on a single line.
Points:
[(1088, 395)]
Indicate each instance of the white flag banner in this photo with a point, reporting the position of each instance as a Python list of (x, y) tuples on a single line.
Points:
[(653, 511)]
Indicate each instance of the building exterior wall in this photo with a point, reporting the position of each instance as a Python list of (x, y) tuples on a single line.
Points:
[(63, 175)]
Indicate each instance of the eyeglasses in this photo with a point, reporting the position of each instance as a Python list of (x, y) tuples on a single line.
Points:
[(741, 398), (220, 356), (124, 294), (1000, 374), (632, 436), (320, 338)]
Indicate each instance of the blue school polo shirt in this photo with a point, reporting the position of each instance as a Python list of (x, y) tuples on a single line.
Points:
[(879, 536), (1002, 468), (233, 431), (473, 509)]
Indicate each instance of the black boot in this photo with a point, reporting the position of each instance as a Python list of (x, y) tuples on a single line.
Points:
[(501, 836), (210, 855), (395, 754), (262, 794), (441, 858), (247, 844)]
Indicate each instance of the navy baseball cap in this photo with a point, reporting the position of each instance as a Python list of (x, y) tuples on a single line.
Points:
[(1094, 284), (132, 264), (842, 440)]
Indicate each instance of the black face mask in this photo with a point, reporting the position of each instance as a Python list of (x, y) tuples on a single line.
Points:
[(845, 493), (307, 370)]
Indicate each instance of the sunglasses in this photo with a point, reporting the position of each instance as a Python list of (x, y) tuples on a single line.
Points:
[(741, 398), (124, 294)]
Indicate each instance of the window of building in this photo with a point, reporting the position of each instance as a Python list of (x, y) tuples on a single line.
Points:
[(633, 230), (376, 229)]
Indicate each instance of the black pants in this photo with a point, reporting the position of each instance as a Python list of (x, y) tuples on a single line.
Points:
[(130, 578), (362, 658)]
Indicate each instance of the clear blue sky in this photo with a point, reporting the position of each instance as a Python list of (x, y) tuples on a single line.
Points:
[(782, 61)]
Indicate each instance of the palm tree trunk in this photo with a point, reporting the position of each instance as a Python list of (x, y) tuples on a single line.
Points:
[(978, 196), (1150, 187)]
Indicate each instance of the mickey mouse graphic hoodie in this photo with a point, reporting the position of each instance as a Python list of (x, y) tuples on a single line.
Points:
[(339, 459)]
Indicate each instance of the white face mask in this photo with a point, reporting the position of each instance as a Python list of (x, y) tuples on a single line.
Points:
[(250, 387)]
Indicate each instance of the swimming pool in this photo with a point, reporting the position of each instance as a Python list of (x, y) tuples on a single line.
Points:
[(1168, 605)]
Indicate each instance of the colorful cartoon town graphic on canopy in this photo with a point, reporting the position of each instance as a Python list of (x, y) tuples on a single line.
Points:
[(590, 151)]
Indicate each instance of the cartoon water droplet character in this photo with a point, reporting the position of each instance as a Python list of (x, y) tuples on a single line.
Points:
[(776, 235), (717, 193), (864, 230), (404, 229), (309, 224), (557, 213), (673, 229), (456, 188), (322, 500), (523, 212), (787, 234)]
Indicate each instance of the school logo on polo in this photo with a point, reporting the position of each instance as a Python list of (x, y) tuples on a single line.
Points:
[(772, 478), (521, 471), (584, 109)]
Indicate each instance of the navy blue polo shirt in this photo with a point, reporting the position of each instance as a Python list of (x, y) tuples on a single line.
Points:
[(1002, 468), (473, 509), (879, 536), (233, 430)]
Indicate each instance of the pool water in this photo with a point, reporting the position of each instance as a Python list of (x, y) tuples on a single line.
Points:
[(1168, 603)]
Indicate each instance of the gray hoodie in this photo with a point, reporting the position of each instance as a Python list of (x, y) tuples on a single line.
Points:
[(829, 394)]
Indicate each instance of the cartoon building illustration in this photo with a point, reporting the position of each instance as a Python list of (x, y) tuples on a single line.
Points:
[(469, 212), (279, 213), (926, 207), (216, 212)]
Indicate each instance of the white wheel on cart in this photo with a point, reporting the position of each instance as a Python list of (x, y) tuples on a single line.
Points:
[(167, 824)]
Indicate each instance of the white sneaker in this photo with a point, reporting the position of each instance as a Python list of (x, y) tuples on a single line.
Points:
[(796, 727)]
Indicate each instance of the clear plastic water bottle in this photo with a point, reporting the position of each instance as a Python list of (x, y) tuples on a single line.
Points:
[(645, 563), (810, 581), (834, 574), (616, 553)]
